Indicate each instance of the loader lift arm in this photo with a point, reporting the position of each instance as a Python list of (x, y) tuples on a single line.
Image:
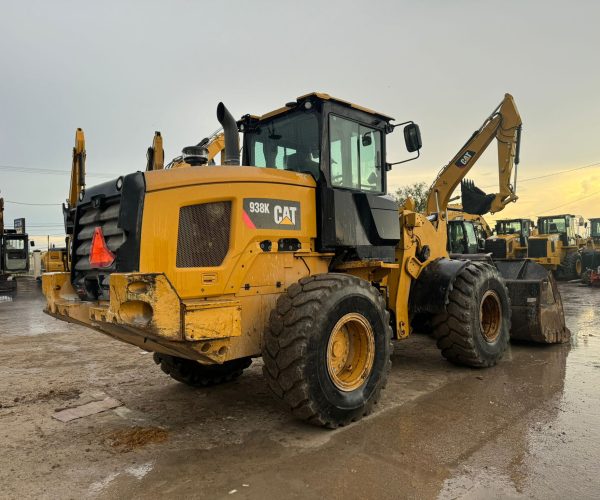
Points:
[(504, 124)]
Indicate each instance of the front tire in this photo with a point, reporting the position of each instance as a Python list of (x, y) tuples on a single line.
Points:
[(327, 349), (475, 329), (194, 374), (572, 267)]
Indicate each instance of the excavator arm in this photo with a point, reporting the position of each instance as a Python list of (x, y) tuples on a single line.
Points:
[(77, 180), (504, 124), (203, 153), (156, 154)]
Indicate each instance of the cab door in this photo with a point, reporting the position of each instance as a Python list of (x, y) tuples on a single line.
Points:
[(356, 214)]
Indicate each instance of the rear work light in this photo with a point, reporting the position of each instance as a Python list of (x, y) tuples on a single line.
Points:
[(100, 254)]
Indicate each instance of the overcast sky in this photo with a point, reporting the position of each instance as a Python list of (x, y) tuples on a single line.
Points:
[(121, 70)]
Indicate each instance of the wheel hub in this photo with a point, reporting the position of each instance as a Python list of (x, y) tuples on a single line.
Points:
[(490, 316), (350, 352)]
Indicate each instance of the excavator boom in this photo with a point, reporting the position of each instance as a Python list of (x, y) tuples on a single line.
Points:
[(78, 169), (504, 124), (77, 181)]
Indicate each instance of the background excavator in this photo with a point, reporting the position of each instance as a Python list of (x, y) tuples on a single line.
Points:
[(294, 252), (467, 229), (14, 254)]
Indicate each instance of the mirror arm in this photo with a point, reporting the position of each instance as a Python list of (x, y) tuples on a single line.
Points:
[(391, 126), (404, 161)]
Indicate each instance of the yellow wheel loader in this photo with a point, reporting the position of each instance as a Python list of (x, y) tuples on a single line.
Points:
[(510, 240), (295, 253), (467, 233), (55, 260), (558, 245)]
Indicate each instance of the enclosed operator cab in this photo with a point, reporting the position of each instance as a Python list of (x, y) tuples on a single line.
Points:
[(510, 240), (465, 237), (15, 256), (595, 230)]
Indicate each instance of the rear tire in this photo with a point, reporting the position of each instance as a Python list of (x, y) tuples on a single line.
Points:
[(572, 266), (194, 374), (327, 349), (475, 329)]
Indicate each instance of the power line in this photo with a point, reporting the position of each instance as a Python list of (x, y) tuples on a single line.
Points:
[(574, 201), (33, 204), (590, 165), (36, 170)]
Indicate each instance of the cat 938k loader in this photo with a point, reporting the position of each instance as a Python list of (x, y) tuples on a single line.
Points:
[(292, 252)]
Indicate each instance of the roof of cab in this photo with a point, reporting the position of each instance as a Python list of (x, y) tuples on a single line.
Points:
[(324, 97)]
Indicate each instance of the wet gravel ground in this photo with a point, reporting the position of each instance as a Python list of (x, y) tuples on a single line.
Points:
[(529, 427)]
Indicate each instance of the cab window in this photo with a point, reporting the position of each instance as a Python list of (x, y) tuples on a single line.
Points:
[(287, 142), (456, 241), (355, 155), (471, 238)]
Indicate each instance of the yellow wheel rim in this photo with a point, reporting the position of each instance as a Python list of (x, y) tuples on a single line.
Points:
[(578, 267), (350, 352), (490, 316)]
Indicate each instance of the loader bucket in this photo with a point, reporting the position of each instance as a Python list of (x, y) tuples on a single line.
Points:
[(537, 309), (474, 200)]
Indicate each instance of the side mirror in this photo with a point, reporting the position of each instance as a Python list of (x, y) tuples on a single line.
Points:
[(412, 137), (367, 140), (32, 243)]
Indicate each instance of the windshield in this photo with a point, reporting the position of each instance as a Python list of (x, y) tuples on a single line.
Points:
[(596, 228), (15, 247), (508, 227), (288, 142), (552, 225)]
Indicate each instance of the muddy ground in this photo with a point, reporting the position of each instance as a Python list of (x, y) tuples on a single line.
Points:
[(530, 427)]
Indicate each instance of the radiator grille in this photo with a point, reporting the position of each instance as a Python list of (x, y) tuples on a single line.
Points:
[(537, 248), (90, 218), (497, 247), (203, 235)]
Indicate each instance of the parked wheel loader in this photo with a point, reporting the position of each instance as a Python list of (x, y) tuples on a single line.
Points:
[(295, 253), (510, 240), (558, 244), (590, 255), (55, 259), (595, 231), (467, 233)]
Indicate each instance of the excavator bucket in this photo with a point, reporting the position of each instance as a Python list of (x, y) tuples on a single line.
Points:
[(474, 200), (537, 309)]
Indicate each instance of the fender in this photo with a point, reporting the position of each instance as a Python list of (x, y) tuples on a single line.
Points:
[(430, 291)]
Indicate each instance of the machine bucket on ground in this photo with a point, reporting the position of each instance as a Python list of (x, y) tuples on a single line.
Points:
[(537, 310)]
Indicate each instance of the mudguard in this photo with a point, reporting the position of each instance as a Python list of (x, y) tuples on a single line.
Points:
[(430, 291)]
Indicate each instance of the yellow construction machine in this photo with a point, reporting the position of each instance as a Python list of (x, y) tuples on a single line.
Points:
[(467, 229), (295, 253), (55, 260), (510, 239), (467, 233), (14, 253), (559, 243)]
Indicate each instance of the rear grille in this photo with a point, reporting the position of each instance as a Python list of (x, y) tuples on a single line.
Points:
[(497, 247), (537, 248), (203, 235), (106, 217)]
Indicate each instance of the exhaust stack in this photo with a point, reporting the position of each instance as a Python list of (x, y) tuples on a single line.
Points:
[(232, 140)]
